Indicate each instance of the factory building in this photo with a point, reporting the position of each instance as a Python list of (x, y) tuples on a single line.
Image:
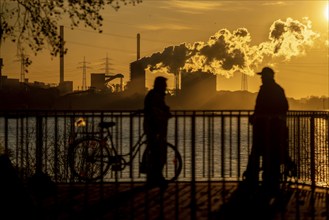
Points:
[(137, 82), (102, 82), (192, 84)]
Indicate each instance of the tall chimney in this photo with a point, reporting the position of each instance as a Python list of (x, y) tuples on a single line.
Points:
[(138, 46), (61, 55)]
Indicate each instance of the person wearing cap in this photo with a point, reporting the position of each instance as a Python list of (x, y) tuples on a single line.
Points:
[(269, 133), (156, 115)]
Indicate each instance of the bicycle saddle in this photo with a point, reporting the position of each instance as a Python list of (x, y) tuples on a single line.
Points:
[(106, 124)]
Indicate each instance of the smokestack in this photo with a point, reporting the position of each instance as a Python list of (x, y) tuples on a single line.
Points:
[(138, 46), (61, 56)]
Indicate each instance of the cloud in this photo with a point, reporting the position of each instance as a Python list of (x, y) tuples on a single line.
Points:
[(193, 5), (164, 26), (228, 52), (271, 3)]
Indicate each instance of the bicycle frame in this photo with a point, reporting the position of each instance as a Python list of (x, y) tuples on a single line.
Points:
[(133, 150)]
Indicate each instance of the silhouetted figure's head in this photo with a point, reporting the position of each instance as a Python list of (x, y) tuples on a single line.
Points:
[(267, 75), (160, 84)]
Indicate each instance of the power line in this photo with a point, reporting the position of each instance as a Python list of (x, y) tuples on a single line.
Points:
[(122, 36), (99, 47), (107, 64), (84, 70), (23, 59)]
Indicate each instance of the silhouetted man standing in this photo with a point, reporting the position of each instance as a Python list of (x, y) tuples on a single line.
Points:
[(156, 115), (269, 133)]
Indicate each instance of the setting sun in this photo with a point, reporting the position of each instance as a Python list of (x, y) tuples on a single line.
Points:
[(326, 12)]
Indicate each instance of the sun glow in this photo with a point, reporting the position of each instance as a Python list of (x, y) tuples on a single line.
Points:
[(326, 12)]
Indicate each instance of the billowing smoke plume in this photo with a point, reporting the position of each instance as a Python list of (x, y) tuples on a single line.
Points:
[(290, 38), (228, 52)]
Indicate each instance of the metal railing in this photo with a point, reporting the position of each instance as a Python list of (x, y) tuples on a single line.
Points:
[(214, 144)]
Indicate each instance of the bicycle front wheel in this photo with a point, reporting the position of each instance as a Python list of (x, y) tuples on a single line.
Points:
[(89, 158)]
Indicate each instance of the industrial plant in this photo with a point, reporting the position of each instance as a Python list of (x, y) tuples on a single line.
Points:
[(192, 89)]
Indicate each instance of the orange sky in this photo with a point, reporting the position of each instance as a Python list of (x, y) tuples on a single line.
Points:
[(300, 61)]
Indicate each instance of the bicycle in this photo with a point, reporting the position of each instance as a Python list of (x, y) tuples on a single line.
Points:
[(93, 155)]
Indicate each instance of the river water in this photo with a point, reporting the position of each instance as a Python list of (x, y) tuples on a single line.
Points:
[(221, 144)]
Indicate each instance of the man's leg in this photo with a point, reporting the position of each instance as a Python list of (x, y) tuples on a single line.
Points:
[(251, 174), (157, 161), (272, 173), (253, 167)]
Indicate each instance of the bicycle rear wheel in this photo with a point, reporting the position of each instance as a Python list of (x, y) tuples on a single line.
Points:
[(89, 158), (173, 166)]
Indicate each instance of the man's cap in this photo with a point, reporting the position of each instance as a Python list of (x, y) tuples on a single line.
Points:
[(266, 72)]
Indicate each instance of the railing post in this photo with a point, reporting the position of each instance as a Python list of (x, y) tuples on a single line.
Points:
[(38, 144), (131, 143), (239, 146), (223, 146), (56, 156), (193, 190), (312, 151), (312, 146), (6, 135)]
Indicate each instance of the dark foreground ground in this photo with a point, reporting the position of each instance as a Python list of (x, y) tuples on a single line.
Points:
[(209, 200)]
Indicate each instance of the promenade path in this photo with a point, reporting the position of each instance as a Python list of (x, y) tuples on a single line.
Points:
[(209, 200)]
